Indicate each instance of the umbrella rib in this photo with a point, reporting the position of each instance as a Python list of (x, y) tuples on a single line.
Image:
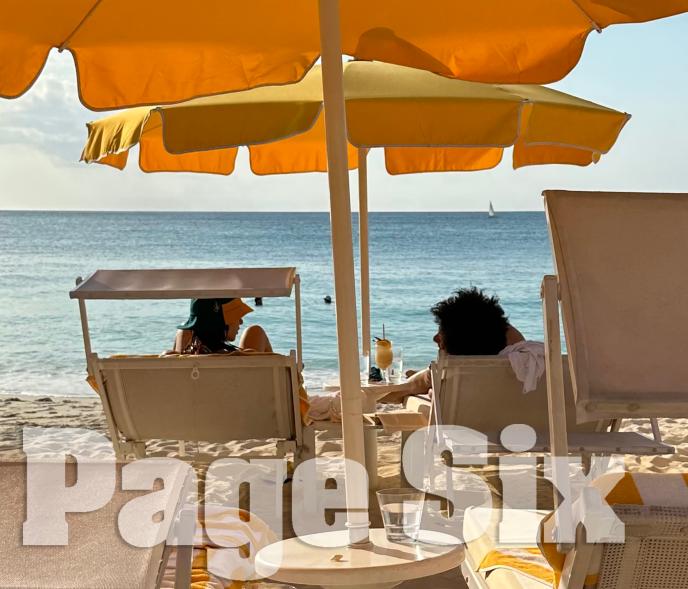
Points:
[(595, 25), (63, 45)]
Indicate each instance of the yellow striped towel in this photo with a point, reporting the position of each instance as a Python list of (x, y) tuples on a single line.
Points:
[(214, 565)]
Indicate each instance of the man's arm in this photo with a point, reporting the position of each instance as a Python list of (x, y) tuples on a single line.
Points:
[(418, 384)]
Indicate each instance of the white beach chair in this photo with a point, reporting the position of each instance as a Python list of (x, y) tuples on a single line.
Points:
[(653, 509), (96, 554), (619, 260), (210, 398), (482, 393)]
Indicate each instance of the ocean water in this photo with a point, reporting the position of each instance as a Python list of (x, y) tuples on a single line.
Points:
[(416, 259)]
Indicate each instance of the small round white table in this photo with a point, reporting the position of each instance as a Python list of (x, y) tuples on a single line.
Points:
[(379, 565)]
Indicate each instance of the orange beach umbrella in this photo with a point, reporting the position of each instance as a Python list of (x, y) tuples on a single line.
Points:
[(129, 52)]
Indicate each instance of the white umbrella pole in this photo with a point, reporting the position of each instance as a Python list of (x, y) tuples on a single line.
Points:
[(343, 261), (363, 247)]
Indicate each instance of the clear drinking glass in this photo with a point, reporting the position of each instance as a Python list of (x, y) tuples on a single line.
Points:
[(396, 368), (364, 364), (401, 513)]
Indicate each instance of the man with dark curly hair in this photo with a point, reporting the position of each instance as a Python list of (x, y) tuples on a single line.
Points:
[(470, 323)]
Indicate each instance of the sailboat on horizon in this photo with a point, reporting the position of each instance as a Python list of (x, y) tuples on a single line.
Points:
[(490, 211)]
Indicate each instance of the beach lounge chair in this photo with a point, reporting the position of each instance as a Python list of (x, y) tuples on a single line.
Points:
[(96, 554), (211, 398), (482, 393), (619, 280), (653, 555)]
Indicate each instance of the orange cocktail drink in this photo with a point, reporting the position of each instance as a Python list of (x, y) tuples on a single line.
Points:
[(383, 353)]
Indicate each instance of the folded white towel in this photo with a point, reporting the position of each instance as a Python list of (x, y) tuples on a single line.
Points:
[(527, 361)]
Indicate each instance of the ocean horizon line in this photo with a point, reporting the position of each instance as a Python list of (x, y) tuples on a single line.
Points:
[(252, 212)]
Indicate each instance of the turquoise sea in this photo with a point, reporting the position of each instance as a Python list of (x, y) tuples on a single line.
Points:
[(416, 259)]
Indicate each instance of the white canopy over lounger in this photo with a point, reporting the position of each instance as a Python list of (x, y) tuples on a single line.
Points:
[(189, 283)]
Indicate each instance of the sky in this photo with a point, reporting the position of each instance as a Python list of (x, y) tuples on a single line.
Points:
[(639, 69)]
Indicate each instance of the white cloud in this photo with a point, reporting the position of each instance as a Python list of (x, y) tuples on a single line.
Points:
[(49, 115), (33, 178)]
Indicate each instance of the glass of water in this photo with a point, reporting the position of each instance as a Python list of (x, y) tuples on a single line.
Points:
[(395, 371), (401, 513), (364, 364)]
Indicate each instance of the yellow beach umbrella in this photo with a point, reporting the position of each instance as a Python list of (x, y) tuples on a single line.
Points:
[(131, 53), (387, 106), (425, 122)]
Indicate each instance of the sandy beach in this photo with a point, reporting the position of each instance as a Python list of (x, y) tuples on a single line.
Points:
[(17, 412), (85, 412)]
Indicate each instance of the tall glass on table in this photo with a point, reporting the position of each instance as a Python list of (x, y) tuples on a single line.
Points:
[(384, 355)]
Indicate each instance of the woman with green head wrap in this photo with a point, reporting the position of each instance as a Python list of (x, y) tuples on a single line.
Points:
[(213, 324)]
